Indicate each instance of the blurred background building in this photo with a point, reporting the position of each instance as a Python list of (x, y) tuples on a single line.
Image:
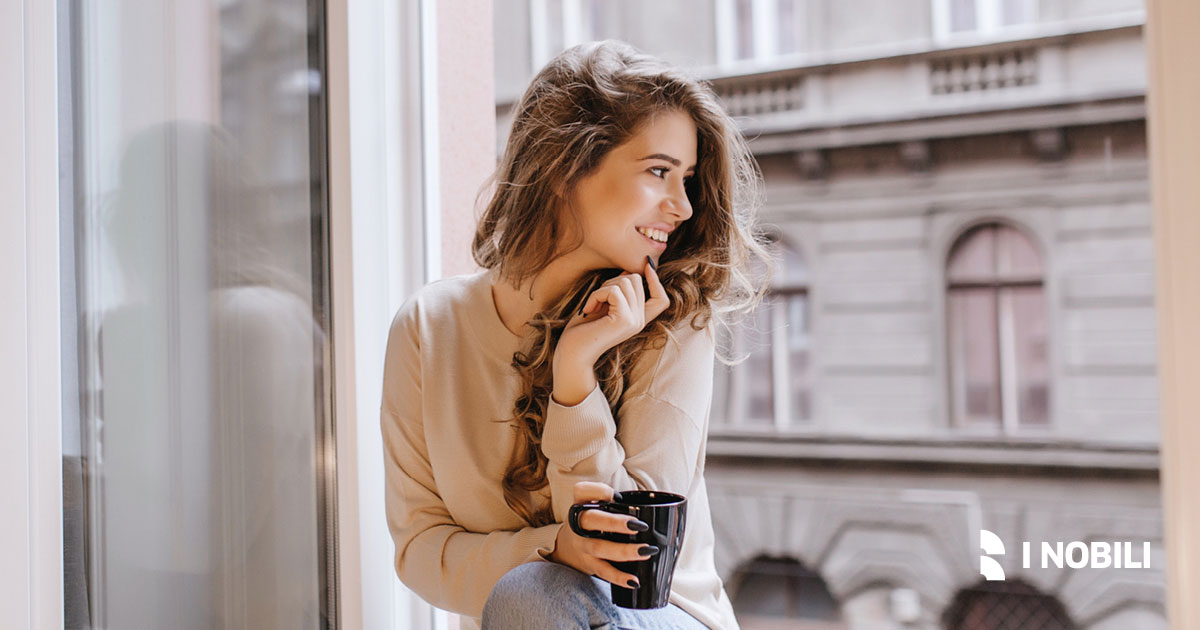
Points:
[(961, 332)]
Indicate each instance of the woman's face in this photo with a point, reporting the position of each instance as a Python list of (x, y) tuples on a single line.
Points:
[(635, 197)]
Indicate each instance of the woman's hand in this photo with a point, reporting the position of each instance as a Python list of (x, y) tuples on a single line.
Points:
[(612, 313), (591, 555)]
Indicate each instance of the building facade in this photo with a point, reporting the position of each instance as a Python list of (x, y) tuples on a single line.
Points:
[(961, 330)]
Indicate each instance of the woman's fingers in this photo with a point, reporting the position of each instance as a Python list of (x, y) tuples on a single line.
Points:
[(617, 551), (658, 301), (632, 295), (612, 575), (598, 297), (613, 295), (638, 287), (601, 521), (584, 491)]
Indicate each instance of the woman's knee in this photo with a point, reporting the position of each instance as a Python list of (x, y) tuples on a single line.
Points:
[(539, 593)]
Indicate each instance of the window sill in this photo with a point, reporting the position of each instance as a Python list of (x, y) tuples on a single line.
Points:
[(946, 451)]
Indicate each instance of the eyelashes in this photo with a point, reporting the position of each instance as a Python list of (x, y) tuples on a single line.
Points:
[(687, 181)]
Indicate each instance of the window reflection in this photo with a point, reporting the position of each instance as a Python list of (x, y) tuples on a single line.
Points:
[(201, 292)]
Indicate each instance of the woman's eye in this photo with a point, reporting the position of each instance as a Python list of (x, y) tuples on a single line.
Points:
[(659, 168)]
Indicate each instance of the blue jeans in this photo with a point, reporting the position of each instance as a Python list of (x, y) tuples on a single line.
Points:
[(552, 595)]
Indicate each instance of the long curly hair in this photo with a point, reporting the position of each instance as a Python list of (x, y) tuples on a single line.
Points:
[(585, 102)]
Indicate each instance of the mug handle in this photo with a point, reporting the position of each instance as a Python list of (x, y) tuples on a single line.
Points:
[(576, 510)]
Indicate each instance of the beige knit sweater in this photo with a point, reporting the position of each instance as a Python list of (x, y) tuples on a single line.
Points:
[(448, 392)]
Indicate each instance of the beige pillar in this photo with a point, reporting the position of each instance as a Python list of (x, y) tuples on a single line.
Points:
[(466, 123), (1174, 136)]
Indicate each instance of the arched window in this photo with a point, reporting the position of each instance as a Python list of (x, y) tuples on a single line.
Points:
[(1008, 605), (771, 389), (996, 322), (770, 593)]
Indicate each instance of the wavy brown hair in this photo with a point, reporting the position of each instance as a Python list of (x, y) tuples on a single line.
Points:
[(588, 100)]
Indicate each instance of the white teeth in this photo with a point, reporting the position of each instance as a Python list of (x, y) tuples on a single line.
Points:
[(655, 234)]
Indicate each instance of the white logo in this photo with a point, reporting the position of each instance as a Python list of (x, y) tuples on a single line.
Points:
[(1075, 554), (992, 546)]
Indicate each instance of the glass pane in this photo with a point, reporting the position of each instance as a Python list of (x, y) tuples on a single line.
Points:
[(787, 26), (722, 380), (974, 354), (554, 27), (1033, 370), (991, 252), (962, 15), (790, 270), (200, 282), (1016, 255), (745, 29), (757, 341), (765, 590), (798, 357), (1017, 11), (973, 256), (600, 20)]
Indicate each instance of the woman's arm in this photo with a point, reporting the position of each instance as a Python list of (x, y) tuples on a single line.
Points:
[(438, 559), (663, 423)]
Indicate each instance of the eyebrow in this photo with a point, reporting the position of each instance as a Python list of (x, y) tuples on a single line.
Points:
[(664, 156)]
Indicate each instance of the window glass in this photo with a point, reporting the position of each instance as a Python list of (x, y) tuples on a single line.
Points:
[(1033, 370), (798, 357), (974, 256), (745, 29), (1017, 11), (962, 15), (758, 381), (974, 348), (201, 272), (996, 322), (786, 24)]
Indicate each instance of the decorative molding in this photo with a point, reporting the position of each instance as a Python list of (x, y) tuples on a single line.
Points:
[(983, 71), (915, 155), (1049, 453), (813, 163), (990, 119), (768, 94), (1050, 143)]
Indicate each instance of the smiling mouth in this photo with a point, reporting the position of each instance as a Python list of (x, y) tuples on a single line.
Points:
[(656, 235)]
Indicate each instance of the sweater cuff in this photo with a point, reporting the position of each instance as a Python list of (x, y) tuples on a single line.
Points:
[(573, 434), (546, 538)]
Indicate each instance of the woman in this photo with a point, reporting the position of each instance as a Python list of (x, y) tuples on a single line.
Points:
[(579, 362)]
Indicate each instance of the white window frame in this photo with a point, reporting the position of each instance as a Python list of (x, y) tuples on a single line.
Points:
[(385, 244), (572, 30), (987, 20), (763, 18), (31, 576)]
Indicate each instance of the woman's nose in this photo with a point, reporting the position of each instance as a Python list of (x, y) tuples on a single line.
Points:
[(679, 205)]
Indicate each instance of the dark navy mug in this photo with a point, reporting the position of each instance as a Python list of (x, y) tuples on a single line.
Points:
[(666, 514)]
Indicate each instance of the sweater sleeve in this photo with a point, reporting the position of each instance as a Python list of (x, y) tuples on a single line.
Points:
[(446, 565), (663, 422)]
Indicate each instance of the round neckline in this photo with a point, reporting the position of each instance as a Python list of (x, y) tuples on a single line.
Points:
[(493, 334)]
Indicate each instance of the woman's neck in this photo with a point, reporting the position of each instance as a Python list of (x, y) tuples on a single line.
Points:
[(516, 305)]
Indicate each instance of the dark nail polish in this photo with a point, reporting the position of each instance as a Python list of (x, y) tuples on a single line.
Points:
[(653, 265), (632, 583), (638, 526), (647, 550), (616, 497)]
